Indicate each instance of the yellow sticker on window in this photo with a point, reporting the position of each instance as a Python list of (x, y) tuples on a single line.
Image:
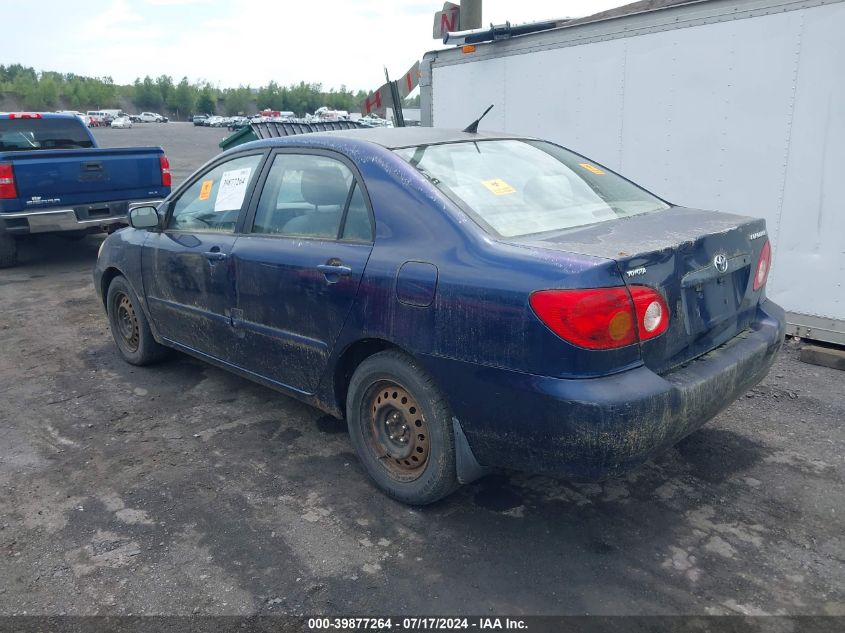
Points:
[(592, 168), (498, 186), (205, 191)]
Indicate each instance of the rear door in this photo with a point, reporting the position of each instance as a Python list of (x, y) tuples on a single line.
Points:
[(299, 264), (188, 276)]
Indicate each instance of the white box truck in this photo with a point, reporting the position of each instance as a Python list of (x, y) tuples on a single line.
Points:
[(737, 106)]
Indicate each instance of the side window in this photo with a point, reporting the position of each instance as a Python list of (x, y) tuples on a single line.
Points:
[(214, 201), (358, 226), (304, 195)]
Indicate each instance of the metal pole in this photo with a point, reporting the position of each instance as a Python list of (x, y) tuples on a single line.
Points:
[(398, 116), (470, 14)]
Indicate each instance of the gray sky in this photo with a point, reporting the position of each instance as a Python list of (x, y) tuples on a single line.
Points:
[(229, 43)]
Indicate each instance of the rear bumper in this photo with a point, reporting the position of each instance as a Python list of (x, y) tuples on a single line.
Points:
[(78, 218), (596, 428)]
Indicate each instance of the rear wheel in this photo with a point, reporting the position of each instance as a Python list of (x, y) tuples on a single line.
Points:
[(129, 326), (8, 250), (401, 427)]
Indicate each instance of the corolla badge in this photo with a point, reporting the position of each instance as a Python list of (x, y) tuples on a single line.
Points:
[(721, 262)]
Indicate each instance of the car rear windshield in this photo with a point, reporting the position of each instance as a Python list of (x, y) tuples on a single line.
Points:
[(521, 187), (27, 134)]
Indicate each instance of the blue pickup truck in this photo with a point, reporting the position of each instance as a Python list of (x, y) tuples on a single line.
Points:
[(54, 179)]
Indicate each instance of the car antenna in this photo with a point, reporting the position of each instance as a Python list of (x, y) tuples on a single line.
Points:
[(472, 128)]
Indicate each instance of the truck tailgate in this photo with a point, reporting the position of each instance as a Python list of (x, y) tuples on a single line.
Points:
[(52, 178)]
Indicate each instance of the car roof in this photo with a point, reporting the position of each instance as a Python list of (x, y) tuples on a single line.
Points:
[(395, 138), (44, 115)]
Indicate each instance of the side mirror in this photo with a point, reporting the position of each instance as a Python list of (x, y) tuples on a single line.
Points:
[(144, 218)]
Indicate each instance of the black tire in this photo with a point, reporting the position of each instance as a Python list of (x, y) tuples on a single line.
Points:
[(391, 399), (8, 251), (129, 326)]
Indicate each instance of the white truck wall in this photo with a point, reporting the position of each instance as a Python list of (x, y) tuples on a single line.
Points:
[(740, 115)]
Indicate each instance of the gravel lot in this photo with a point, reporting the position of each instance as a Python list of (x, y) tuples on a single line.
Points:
[(180, 489)]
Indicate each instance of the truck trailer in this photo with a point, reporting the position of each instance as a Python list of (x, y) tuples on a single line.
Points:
[(731, 105)]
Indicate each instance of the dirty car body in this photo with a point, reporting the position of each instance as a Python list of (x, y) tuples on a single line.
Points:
[(431, 276)]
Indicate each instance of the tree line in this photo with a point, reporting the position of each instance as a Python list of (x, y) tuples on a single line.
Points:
[(52, 90)]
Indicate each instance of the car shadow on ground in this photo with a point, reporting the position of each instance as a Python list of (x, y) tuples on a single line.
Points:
[(70, 252), (522, 542)]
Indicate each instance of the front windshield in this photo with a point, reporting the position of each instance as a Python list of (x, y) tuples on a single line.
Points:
[(520, 187)]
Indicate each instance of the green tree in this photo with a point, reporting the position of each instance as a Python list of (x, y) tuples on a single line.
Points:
[(237, 100), (183, 99), (48, 94), (51, 89), (165, 88), (11, 72), (26, 87), (146, 93), (205, 100), (270, 97)]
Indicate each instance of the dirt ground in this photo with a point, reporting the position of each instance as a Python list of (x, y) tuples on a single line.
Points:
[(180, 489)]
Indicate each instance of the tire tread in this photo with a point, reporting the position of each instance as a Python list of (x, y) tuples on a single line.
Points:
[(436, 484)]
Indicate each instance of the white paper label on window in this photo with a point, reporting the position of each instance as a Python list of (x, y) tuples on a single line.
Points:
[(232, 190)]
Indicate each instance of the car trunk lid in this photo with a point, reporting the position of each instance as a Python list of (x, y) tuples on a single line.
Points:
[(702, 262)]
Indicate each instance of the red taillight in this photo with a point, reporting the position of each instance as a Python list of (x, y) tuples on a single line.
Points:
[(602, 318), (763, 266), (166, 177), (24, 115), (7, 182)]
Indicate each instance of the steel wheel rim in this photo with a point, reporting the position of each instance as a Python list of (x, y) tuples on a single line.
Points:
[(399, 437), (127, 322)]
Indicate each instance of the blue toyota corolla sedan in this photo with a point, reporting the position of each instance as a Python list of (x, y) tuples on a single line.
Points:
[(463, 300)]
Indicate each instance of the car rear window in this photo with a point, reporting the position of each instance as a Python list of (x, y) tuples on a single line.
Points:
[(520, 187), (32, 134)]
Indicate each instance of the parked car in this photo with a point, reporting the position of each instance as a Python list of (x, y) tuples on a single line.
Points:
[(200, 119), (122, 122), (214, 121), (152, 117), (135, 118), (86, 120), (464, 300), (237, 122), (54, 179), (98, 118)]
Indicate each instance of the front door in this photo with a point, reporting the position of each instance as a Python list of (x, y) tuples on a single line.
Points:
[(188, 276), (298, 267)]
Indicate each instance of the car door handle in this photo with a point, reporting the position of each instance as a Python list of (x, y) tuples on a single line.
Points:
[(334, 269), (215, 256)]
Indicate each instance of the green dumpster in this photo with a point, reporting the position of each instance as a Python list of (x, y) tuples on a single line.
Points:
[(244, 135)]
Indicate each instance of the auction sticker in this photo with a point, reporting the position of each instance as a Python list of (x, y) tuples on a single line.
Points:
[(205, 190), (592, 169), (232, 191), (498, 186)]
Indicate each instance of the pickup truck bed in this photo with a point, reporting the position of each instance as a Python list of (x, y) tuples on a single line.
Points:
[(53, 179)]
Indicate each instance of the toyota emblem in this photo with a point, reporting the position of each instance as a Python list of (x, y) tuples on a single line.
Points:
[(721, 262)]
